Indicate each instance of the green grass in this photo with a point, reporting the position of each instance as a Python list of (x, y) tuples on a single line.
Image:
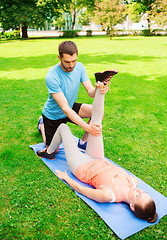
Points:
[(34, 203)]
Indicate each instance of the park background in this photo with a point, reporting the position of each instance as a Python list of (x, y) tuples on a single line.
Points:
[(34, 203), (20, 18)]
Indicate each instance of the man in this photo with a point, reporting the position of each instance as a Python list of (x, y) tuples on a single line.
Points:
[(63, 81)]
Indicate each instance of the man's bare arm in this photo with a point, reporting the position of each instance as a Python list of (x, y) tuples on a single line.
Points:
[(73, 116), (92, 90)]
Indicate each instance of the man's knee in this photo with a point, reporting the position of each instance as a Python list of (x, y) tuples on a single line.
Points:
[(85, 111)]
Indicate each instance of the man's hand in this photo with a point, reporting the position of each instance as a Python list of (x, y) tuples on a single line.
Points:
[(95, 129)]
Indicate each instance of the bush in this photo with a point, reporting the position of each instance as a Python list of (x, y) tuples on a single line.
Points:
[(135, 33), (8, 35), (70, 33), (12, 35), (16, 34), (88, 33), (159, 32), (146, 32)]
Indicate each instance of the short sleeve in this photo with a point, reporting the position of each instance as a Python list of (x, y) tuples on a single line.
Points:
[(84, 75), (53, 84)]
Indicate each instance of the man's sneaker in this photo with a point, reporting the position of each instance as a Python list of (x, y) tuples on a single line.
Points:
[(44, 154), (106, 75), (39, 122), (82, 146)]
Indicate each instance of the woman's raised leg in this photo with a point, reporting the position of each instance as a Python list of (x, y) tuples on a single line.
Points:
[(95, 146)]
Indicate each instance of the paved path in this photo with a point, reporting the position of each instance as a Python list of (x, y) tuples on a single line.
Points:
[(54, 33)]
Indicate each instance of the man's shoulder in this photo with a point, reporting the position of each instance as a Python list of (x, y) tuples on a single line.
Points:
[(80, 68), (53, 76), (79, 65), (53, 69), (53, 73)]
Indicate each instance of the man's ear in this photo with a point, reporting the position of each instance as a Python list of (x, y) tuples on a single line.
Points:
[(59, 57), (132, 207)]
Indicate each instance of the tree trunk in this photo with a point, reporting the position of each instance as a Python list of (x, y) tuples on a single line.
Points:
[(73, 19), (24, 30), (111, 32), (148, 19), (108, 30), (149, 27)]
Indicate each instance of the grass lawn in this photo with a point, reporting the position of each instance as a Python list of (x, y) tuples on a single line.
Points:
[(34, 203)]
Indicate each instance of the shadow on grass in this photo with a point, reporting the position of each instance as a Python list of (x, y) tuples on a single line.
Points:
[(29, 39), (18, 63)]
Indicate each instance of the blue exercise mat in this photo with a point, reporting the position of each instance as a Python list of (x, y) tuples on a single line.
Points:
[(117, 216)]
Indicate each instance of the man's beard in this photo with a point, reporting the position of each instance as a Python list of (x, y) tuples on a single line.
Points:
[(67, 69)]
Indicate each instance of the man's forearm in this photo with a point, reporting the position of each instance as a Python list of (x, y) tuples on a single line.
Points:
[(89, 88), (73, 116), (91, 92)]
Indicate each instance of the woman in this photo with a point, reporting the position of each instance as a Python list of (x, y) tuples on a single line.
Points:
[(111, 183)]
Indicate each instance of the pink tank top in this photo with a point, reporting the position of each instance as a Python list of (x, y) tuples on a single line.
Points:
[(99, 173)]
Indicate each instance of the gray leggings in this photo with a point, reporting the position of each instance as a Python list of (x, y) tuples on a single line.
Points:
[(94, 150)]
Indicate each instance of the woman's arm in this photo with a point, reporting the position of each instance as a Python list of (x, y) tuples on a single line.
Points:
[(98, 195)]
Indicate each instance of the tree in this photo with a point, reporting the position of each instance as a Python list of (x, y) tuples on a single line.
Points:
[(22, 13), (158, 12), (59, 22), (109, 13), (135, 11), (155, 9), (145, 6), (75, 6), (85, 18)]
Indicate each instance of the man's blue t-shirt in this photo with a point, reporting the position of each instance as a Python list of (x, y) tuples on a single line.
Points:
[(57, 81)]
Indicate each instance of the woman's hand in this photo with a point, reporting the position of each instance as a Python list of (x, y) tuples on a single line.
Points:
[(60, 174)]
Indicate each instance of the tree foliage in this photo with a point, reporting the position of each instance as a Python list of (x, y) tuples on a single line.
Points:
[(59, 22), (141, 6), (85, 18), (22, 13), (75, 6), (109, 13), (135, 11), (146, 3), (158, 12)]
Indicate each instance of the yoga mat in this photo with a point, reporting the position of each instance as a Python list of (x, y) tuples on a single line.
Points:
[(117, 216)]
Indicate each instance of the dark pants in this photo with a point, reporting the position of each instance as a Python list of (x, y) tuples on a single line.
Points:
[(52, 125)]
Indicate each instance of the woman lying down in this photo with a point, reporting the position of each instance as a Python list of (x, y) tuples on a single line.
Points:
[(111, 183)]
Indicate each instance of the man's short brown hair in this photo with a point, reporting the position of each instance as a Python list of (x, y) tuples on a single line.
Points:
[(67, 47)]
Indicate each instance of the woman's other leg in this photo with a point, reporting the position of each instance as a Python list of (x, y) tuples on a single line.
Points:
[(95, 146), (73, 155)]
